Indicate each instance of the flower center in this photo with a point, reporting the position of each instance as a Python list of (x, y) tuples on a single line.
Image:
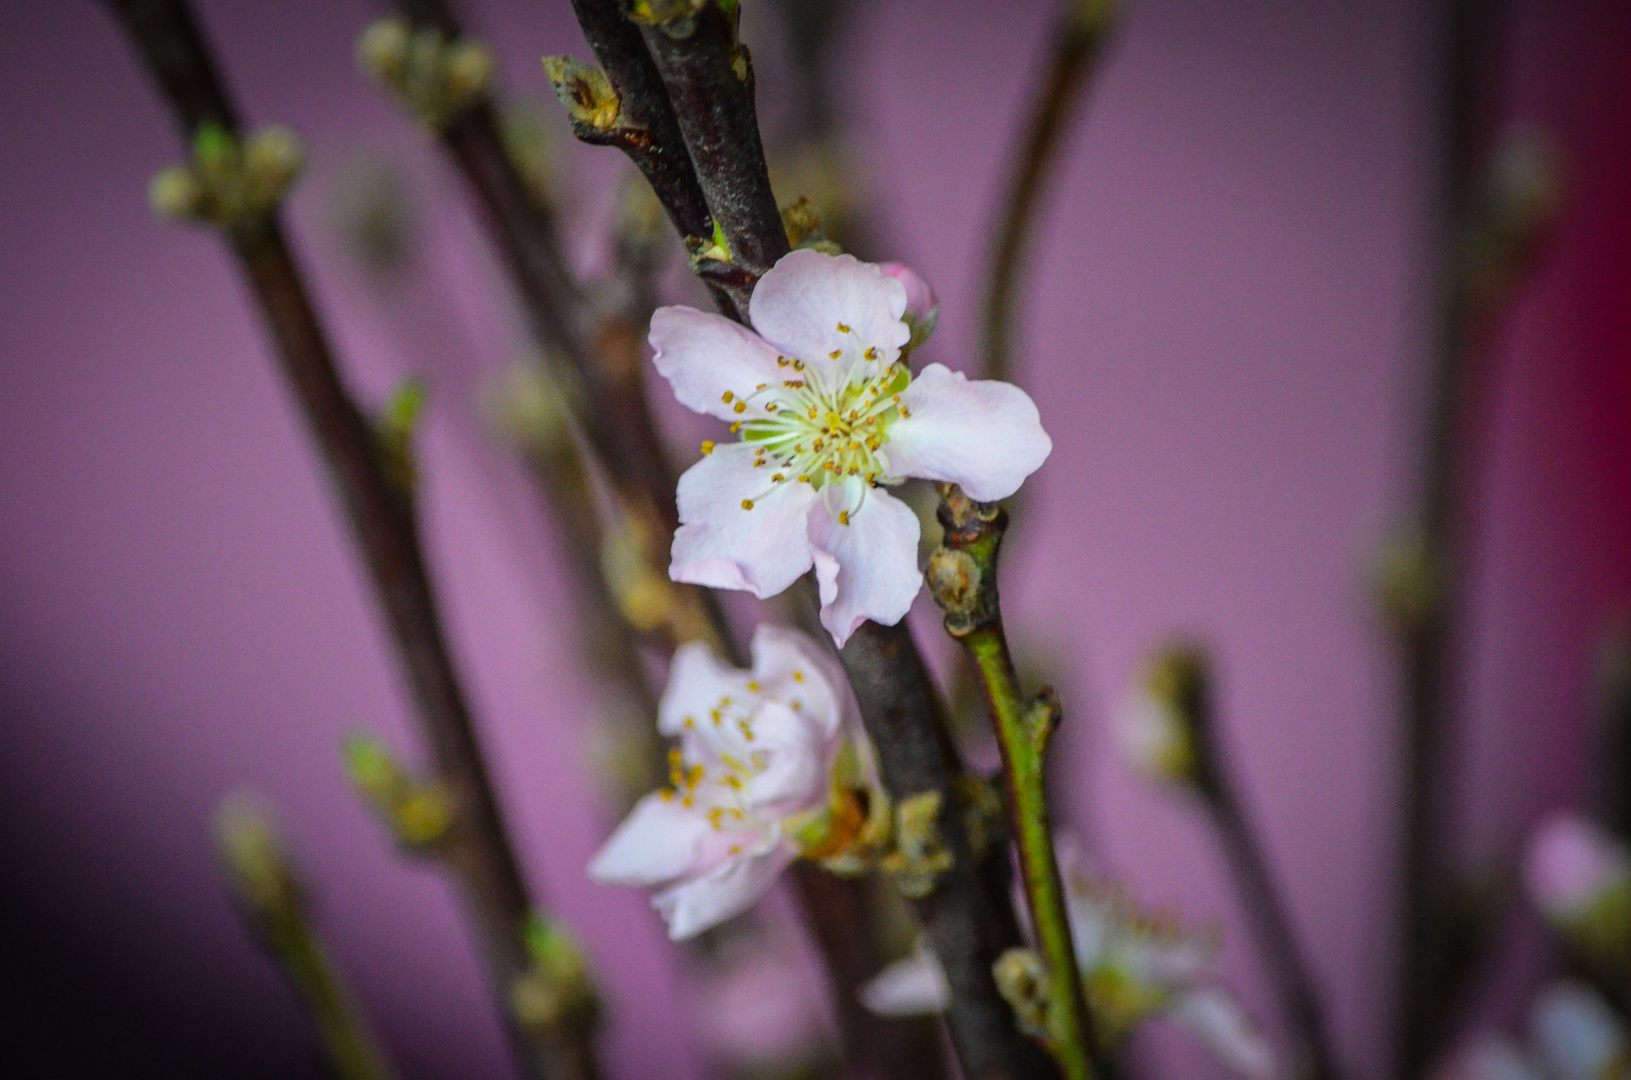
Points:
[(727, 760)]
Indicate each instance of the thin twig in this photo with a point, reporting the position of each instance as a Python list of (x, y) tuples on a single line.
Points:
[(273, 901), (962, 578), (381, 515), (1262, 903), (1076, 42)]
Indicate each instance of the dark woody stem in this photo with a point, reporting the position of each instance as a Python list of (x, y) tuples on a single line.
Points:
[(1076, 42), (478, 850), (962, 578), (967, 913), (1261, 902)]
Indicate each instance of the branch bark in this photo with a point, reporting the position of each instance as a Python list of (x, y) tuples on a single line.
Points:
[(381, 516)]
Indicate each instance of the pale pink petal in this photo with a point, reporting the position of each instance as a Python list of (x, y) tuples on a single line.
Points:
[(792, 667), (802, 301), (797, 759), (705, 356), (911, 987), (723, 545), (659, 841), (866, 569), (922, 307), (697, 679), (984, 436), (732, 888), (1571, 863), (1224, 1028)]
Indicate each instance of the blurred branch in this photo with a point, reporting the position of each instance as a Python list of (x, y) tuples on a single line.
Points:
[(382, 518), (1074, 45), (962, 578), (1184, 679), (1491, 223), (273, 902), (1611, 732)]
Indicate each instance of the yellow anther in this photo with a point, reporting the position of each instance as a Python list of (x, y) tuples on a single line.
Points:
[(761, 386), (772, 407), (843, 517), (714, 715), (687, 801), (871, 354), (736, 849), (798, 676), (795, 704), (740, 406), (753, 687), (736, 812), (836, 353), (904, 411), (707, 446), (778, 478), (804, 479), (798, 365), (736, 427), (746, 729), (781, 361), (666, 794), (733, 782), (747, 504), (714, 815)]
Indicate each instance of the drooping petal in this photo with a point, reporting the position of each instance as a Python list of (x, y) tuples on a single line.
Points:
[(982, 435), (732, 888), (802, 301), (791, 667), (721, 544), (922, 306), (914, 986), (1223, 1027), (705, 356), (697, 679), (658, 842), (866, 569)]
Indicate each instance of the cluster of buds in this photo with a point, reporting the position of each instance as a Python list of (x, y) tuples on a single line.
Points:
[(228, 181), (555, 990), (436, 78)]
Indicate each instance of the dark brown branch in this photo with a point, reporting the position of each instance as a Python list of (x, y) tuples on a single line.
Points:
[(660, 156), (478, 851), (1076, 42), (1260, 901), (709, 78), (968, 915)]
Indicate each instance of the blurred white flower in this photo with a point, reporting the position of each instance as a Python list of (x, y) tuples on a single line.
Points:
[(756, 749), (1576, 1036)]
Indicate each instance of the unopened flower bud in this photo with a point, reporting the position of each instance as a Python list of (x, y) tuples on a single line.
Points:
[(587, 94), (469, 70), (1022, 980), (254, 860), (922, 306), (382, 50), (272, 158), (174, 193), (1156, 728)]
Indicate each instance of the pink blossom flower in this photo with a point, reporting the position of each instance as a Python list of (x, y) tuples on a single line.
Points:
[(756, 749), (830, 416)]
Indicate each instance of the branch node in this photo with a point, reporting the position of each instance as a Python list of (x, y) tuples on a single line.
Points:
[(228, 182), (394, 427), (1024, 982), (1042, 718), (921, 857), (419, 814)]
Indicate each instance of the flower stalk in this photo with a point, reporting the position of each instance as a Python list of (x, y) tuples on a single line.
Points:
[(962, 578), (477, 850)]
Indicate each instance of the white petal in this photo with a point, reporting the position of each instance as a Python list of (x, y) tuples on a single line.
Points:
[(800, 303), (866, 569), (731, 889), (984, 436), (1223, 1027), (1575, 1033), (659, 841), (910, 987), (705, 356), (798, 759), (697, 679), (720, 544), (922, 308), (780, 654)]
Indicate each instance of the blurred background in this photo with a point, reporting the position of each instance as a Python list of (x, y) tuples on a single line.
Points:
[(1227, 326)]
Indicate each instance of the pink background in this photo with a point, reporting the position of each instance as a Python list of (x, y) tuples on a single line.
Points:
[(1225, 334)]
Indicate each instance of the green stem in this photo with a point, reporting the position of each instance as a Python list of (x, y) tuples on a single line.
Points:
[(963, 579)]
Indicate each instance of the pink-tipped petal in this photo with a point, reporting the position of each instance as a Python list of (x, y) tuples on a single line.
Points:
[(802, 301), (697, 679), (866, 569), (732, 888), (705, 356), (922, 306), (984, 436), (721, 544), (659, 841)]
